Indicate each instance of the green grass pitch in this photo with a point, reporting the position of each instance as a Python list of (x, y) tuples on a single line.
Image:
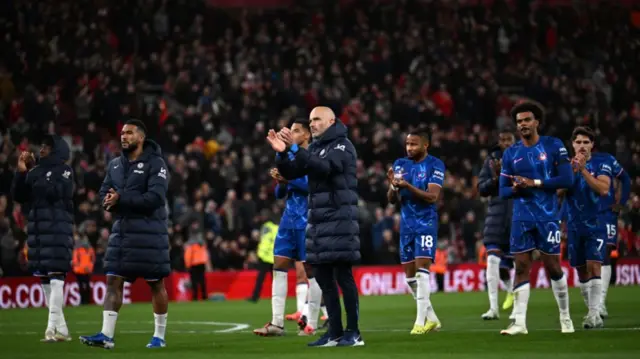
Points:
[(223, 330)]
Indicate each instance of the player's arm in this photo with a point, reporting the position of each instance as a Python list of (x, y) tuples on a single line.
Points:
[(506, 188), (61, 186), (288, 167), (436, 181), (564, 177), (601, 182), (299, 184), (488, 184), (281, 191), (334, 162), (155, 196), (106, 185), (625, 184), (392, 192)]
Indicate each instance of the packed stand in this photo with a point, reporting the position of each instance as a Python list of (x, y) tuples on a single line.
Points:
[(209, 84)]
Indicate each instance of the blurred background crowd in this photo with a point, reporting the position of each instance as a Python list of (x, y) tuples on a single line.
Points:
[(209, 82)]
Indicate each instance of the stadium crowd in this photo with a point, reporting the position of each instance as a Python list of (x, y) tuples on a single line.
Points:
[(209, 83)]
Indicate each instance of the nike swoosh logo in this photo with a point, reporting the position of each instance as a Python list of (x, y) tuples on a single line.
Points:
[(518, 160)]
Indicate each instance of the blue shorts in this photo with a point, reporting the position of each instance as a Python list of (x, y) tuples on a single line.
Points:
[(422, 245), (290, 243), (610, 225), (585, 244), (543, 236), (130, 278), (506, 259)]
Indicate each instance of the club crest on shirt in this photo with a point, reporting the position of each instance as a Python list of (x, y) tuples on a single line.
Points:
[(543, 156)]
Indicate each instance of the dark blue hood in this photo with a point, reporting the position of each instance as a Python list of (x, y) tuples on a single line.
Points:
[(335, 131), (60, 151), (151, 148)]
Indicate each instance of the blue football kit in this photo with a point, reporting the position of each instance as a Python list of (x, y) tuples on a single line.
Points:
[(419, 219), (290, 240), (586, 238), (536, 216), (607, 218)]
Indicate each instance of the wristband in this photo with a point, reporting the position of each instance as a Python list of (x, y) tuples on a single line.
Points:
[(537, 182)]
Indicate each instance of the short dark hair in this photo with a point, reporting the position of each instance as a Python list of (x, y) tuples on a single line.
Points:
[(139, 124), (584, 131), (303, 123), (507, 129), (529, 106), (422, 132)]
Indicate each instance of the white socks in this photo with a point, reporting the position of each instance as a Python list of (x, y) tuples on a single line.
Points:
[(46, 288), (585, 289), (423, 293), (605, 273), (56, 303), (313, 305), (109, 319), (278, 297), (324, 311), (301, 296), (413, 285), (493, 278), (561, 292), (595, 293), (160, 321), (521, 304)]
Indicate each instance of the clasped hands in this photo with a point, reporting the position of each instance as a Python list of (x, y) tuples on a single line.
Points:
[(280, 141), (111, 199)]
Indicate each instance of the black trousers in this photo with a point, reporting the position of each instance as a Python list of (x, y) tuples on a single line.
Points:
[(328, 275), (84, 287), (263, 269), (198, 282)]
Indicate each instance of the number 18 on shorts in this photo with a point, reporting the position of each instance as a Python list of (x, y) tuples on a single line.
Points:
[(414, 246)]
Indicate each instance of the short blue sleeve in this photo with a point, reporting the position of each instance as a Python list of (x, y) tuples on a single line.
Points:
[(437, 174)]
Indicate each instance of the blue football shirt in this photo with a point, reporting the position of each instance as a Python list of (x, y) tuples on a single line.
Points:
[(416, 215), (583, 203), (541, 161)]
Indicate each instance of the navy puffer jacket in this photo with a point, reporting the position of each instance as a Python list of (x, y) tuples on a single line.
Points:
[(497, 224), (330, 164), (47, 191), (139, 241)]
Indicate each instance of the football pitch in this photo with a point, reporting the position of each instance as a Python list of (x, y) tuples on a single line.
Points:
[(223, 330)]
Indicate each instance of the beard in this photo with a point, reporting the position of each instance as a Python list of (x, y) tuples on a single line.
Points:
[(127, 150)]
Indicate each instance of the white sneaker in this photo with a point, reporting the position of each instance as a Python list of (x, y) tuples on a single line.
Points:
[(566, 325), (49, 336), (588, 322), (603, 312), (514, 329), (490, 315), (599, 322)]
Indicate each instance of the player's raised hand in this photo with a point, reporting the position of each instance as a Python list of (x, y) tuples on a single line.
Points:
[(400, 183), (579, 161), (275, 174), (286, 136), (276, 143), (390, 174), (25, 161)]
